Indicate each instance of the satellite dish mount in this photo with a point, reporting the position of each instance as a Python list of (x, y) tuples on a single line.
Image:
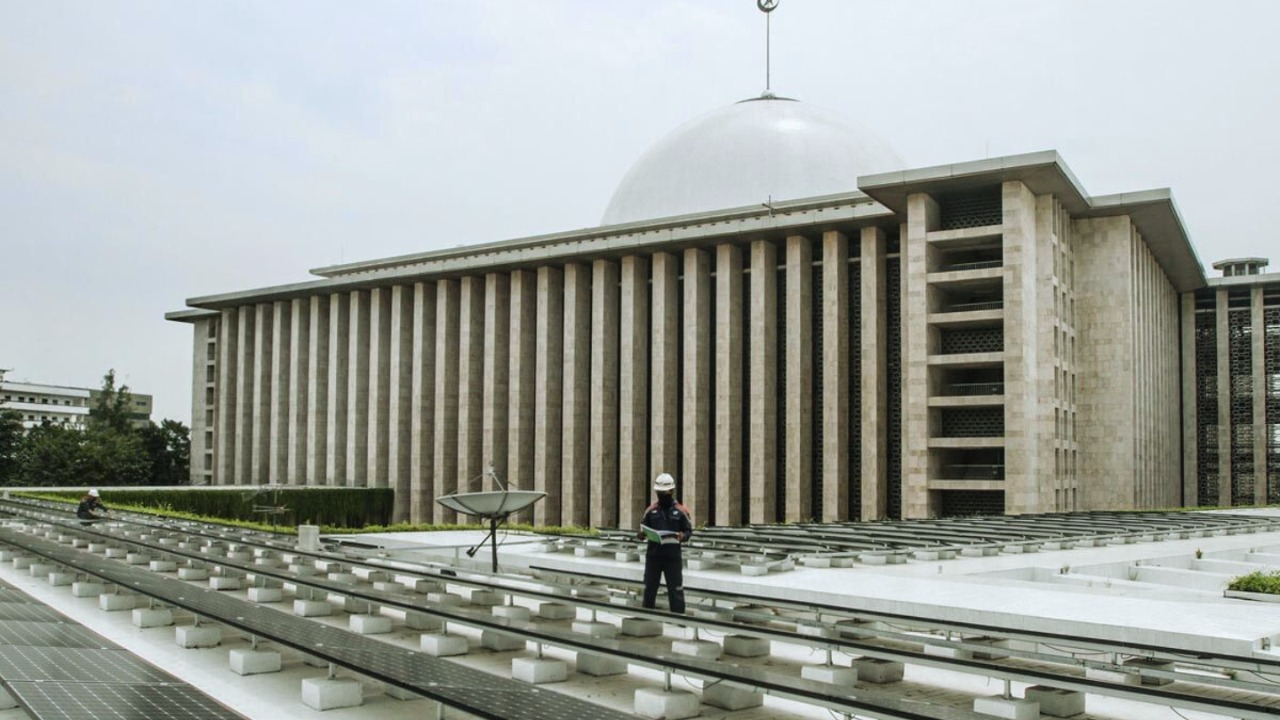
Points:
[(494, 506)]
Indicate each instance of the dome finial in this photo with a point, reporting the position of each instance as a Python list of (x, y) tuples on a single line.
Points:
[(767, 7)]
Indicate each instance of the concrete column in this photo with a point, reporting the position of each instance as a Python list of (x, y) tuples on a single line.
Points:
[(339, 400), (730, 379), (1190, 399), (358, 357), (260, 423), (318, 392), (497, 379), (837, 421), (203, 399), (470, 384), (1259, 372), (400, 435), (377, 431), (798, 412), (664, 393), (874, 413), (604, 393), (633, 395), (763, 384), (243, 451), (299, 360), (1029, 330), (281, 360), (522, 366), (422, 403), (694, 487), (576, 406), (548, 394), (1224, 398), (229, 371), (445, 461), (917, 501)]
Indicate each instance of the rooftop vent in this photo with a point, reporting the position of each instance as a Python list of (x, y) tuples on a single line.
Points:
[(1241, 266)]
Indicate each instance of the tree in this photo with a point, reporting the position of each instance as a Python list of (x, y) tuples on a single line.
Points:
[(168, 450), (11, 440), (51, 454), (112, 408), (112, 458)]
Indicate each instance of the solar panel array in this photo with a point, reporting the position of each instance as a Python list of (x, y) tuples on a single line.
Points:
[(57, 669), (471, 690)]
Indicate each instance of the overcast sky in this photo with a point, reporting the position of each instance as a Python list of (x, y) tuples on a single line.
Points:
[(156, 151)]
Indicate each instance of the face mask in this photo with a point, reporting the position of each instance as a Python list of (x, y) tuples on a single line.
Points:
[(666, 500)]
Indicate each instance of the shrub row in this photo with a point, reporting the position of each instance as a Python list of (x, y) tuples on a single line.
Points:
[(1257, 582), (331, 507)]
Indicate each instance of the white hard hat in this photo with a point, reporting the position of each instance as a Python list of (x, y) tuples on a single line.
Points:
[(664, 483), (93, 492)]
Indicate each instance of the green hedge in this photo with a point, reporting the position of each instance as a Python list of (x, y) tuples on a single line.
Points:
[(1257, 582), (331, 507)]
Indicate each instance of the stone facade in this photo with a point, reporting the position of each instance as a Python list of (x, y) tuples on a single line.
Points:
[(974, 338)]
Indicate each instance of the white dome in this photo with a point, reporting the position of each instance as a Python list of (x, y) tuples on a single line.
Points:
[(745, 154)]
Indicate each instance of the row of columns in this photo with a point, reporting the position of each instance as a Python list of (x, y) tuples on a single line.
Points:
[(582, 380)]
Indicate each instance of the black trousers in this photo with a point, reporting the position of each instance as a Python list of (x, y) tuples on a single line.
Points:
[(664, 561)]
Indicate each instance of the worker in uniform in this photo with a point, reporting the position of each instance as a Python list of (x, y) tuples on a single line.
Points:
[(666, 525), (91, 508)]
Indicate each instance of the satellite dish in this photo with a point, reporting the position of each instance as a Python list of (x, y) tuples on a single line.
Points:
[(492, 505)]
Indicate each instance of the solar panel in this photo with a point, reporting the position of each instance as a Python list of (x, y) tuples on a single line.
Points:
[(76, 701), (23, 663), (27, 611), (49, 634)]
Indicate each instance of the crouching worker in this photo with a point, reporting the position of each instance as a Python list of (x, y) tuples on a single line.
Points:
[(666, 525), (91, 508)]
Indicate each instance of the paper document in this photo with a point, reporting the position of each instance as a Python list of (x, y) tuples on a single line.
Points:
[(666, 537)]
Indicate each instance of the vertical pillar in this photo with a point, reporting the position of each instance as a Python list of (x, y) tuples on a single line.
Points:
[(604, 393), (763, 448), (318, 392), (548, 395), (664, 402), (470, 384), (798, 412), (1028, 418), (358, 389), (299, 360), (497, 380), (445, 461), (576, 440), (521, 365), (729, 384), (1190, 401), (378, 449), (874, 413), (922, 216), (837, 420), (399, 400), (696, 484), (339, 400), (281, 360), (1259, 358), (1224, 398), (228, 382), (633, 394), (260, 423), (422, 404)]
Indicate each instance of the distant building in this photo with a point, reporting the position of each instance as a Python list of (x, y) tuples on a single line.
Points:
[(779, 314), (63, 405)]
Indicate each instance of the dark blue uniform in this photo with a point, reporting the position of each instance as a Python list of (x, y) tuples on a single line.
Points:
[(664, 559)]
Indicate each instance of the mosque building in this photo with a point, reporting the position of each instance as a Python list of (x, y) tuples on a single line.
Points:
[(778, 313)]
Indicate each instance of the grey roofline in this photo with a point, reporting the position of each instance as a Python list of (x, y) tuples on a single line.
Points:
[(191, 315), (1272, 278), (641, 226), (1153, 211), (698, 230)]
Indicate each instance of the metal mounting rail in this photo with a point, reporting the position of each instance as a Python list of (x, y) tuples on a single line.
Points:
[(377, 659), (786, 686)]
